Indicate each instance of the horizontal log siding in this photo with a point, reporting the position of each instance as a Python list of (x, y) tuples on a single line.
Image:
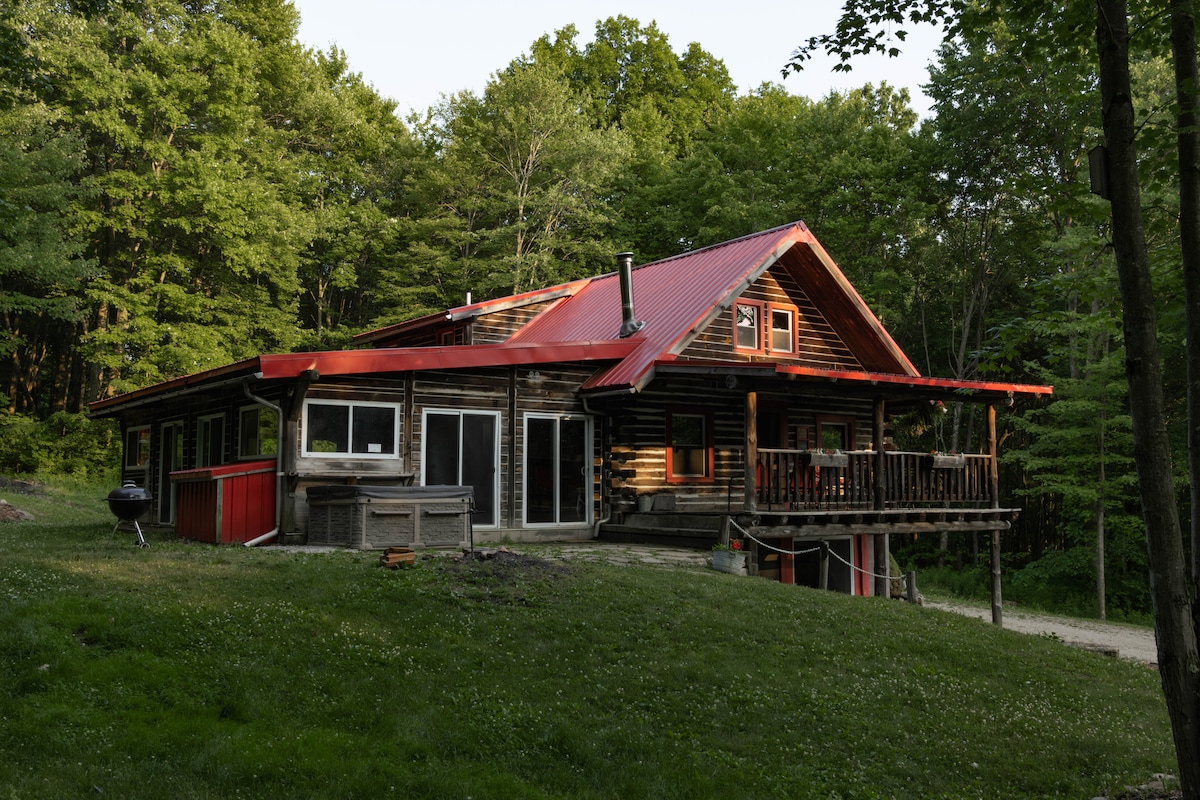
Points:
[(637, 431), (498, 327), (818, 345)]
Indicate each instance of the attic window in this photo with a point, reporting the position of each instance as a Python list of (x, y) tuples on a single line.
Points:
[(747, 325), (783, 329)]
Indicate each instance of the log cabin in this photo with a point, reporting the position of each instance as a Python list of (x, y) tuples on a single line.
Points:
[(741, 389)]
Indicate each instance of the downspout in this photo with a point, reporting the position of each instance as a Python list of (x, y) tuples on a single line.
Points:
[(271, 534)]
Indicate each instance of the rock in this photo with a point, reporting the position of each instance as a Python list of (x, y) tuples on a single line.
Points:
[(10, 513)]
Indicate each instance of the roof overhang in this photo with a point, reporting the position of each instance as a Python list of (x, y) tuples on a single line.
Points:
[(900, 387), (327, 364)]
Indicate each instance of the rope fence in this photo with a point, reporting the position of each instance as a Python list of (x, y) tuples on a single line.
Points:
[(887, 577)]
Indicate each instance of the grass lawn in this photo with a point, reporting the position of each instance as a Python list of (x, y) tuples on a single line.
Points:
[(199, 671)]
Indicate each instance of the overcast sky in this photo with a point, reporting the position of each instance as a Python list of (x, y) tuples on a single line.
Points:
[(414, 52)]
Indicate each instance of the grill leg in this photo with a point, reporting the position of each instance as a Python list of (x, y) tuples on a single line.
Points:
[(141, 542)]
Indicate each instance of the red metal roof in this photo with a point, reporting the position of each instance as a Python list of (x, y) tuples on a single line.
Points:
[(677, 296), (361, 362)]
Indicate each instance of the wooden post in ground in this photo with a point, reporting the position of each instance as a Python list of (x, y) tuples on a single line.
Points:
[(882, 544), (994, 490), (910, 587), (824, 583)]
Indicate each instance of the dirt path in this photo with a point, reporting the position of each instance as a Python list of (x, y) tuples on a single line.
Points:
[(1131, 642)]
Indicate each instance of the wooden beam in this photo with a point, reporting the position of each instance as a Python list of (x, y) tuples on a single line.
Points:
[(750, 502), (994, 488)]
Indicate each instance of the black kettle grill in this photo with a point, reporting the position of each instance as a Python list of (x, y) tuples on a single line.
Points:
[(128, 504)]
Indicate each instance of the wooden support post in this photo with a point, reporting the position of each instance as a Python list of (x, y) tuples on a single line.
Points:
[(787, 564), (724, 537), (882, 573), (997, 599), (877, 442), (824, 582), (994, 489), (750, 502), (910, 587)]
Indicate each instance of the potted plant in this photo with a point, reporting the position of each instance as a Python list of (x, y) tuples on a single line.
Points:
[(729, 557), (824, 458), (951, 460)]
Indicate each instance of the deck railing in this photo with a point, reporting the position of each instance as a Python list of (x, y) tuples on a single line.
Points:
[(802, 480)]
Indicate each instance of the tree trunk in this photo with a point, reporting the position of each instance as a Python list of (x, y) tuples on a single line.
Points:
[(1179, 666), (1187, 93)]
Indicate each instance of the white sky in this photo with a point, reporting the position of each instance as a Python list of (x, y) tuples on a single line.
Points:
[(416, 51)]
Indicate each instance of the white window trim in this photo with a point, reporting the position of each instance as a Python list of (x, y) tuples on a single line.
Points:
[(459, 412), (589, 479), (351, 404), (792, 314)]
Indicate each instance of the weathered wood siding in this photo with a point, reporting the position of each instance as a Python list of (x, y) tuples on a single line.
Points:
[(498, 327), (818, 345)]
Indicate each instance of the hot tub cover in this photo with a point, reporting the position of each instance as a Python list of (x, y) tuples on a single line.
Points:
[(331, 493)]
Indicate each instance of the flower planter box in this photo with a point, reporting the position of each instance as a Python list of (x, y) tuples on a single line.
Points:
[(815, 459), (940, 461), (731, 561)]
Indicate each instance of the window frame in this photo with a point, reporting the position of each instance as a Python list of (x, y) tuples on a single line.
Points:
[(690, 411), (350, 405), (496, 466), (759, 311), (142, 463), (845, 420), (202, 441), (793, 314), (241, 439)]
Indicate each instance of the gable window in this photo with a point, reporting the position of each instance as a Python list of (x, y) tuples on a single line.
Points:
[(783, 330), (361, 430), (689, 445), (137, 448), (210, 440), (747, 326), (258, 429)]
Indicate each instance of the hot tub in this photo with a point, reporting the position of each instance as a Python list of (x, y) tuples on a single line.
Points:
[(370, 517)]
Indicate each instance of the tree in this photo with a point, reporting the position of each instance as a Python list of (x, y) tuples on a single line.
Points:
[(531, 211), (1179, 661)]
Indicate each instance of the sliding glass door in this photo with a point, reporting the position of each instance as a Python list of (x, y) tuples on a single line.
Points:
[(558, 470), (462, 448)]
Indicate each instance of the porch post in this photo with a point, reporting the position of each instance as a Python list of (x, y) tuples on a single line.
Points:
[(994, 490), (750, 482), (882, 544)]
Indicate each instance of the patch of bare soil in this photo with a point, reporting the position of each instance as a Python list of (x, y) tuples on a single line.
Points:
[(500, 576)]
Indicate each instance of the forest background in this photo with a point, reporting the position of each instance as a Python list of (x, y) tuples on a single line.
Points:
[(183, 184)]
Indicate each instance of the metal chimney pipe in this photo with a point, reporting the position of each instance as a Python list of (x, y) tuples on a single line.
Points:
[(629, 325)]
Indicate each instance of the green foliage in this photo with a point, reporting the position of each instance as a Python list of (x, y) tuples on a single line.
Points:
[(187, 671), (62, 444)]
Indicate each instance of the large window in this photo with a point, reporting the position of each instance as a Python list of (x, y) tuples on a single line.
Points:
[(361, 430), (835, 432), (689, 445), (137, 448), (210, 440), (258, 430)]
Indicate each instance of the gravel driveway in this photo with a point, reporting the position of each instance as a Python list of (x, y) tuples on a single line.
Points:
[(1132, 642)]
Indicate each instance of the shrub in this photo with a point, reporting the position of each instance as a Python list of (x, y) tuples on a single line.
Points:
[(62, 444)]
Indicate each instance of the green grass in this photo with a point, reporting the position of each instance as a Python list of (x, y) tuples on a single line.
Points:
[(194, 671)]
